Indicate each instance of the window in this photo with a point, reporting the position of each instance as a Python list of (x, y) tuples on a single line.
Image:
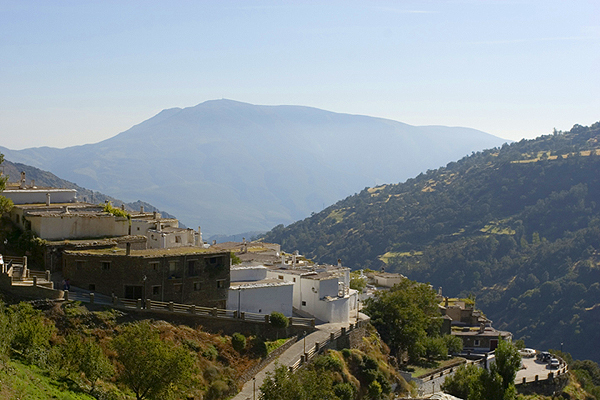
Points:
[(212, 260), (280, 277), (192, 268), (197, 286), (220, 283), (303, 303), (155, 290), (476, 342), (105, 265), (294, 279), (138, 228), (177, 287), (177, 239), (79, 265), (173, 266), (154, 265)]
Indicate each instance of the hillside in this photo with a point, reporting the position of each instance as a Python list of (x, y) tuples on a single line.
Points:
[(518, 226), (45, 178), (233, 167)]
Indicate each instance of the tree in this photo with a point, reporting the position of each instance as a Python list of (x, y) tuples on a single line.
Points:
[(465, 383), (31, 332), (404, 315), (5, 204), (152, 368), (304, 384), (508, 362), (238, 341), (278, 320), (474, 383)]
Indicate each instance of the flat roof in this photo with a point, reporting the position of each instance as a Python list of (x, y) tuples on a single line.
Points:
[(147, 253), (269, 282)]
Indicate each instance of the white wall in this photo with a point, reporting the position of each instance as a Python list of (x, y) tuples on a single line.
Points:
[(38, 196), (262, 299), (78, 226), (246, 274)]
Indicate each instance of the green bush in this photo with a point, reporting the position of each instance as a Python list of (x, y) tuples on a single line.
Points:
[(238, 341), (210, 353), (259, 347), (345, 391), (278, 320)]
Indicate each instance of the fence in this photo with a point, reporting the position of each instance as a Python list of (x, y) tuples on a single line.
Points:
[(171, 307), (328, 343)]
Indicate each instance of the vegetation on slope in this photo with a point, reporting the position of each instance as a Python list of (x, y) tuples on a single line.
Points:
[(362, 373), (81, 354), (518, 226)]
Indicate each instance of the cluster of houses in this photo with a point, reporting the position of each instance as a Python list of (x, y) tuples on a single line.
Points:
[(141, 255)]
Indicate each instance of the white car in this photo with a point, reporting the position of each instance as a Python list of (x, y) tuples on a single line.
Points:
[(527, 353)]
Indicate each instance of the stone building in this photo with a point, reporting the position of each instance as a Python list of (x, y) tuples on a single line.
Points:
[(183, 275)]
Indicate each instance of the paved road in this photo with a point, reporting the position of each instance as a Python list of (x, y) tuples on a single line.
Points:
[(533, 368), (288, 358)]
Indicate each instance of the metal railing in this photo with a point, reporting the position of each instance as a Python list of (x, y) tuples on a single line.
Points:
[(154, 305)]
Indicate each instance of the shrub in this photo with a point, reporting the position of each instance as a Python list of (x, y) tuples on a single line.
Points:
[(278, 320), (238, 341), (210, 353), (345, 391), (259, 347)]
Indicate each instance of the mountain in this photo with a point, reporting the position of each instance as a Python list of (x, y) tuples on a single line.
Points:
[(48, 179), (517, 226), (235, 167)]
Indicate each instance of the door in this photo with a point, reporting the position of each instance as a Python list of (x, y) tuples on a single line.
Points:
[(133, 292)]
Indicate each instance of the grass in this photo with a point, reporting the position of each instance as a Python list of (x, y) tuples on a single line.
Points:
[(20, 381), (274, 345), (390, 254), (337, 215), (427, 367)]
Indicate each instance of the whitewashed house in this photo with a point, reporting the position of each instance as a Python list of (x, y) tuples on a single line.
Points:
[(322, 292), (250, 290)]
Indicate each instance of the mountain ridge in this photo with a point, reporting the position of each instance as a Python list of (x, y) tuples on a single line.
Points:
[(234, 167)]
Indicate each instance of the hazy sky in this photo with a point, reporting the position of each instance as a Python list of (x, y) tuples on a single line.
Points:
[(75, 72)]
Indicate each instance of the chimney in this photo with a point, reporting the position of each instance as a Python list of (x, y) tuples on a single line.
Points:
[(294, 260), (123, 206), (446, 302), (199, 236), (33, 183), (481, 328), (282, 259), (339, 262), (128, 248), (141, 209), (47, 199), (214, 242), (67, 210), (158, 226), (155, 215), (22, 186)]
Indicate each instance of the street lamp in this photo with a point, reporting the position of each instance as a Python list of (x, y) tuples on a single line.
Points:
[(304, 342)]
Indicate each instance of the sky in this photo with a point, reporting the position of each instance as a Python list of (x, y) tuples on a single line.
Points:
[(76, 72)]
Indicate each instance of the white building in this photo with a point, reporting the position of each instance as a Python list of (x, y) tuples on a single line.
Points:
[(250, 290), (322, 292), (163, 233)]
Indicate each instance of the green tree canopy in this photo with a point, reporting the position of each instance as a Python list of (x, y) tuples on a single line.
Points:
[(152, 368), (404, 315)]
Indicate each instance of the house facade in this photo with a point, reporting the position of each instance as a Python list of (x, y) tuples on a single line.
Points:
[(252, 291), (187, 276)]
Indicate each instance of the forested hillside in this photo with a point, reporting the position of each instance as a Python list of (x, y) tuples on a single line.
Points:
[(517, 226)]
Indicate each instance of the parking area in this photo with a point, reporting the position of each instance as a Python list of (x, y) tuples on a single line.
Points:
[(537, 368)]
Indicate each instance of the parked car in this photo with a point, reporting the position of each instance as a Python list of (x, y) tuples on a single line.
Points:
[(554, 363), (527, 353), (544, 356)]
